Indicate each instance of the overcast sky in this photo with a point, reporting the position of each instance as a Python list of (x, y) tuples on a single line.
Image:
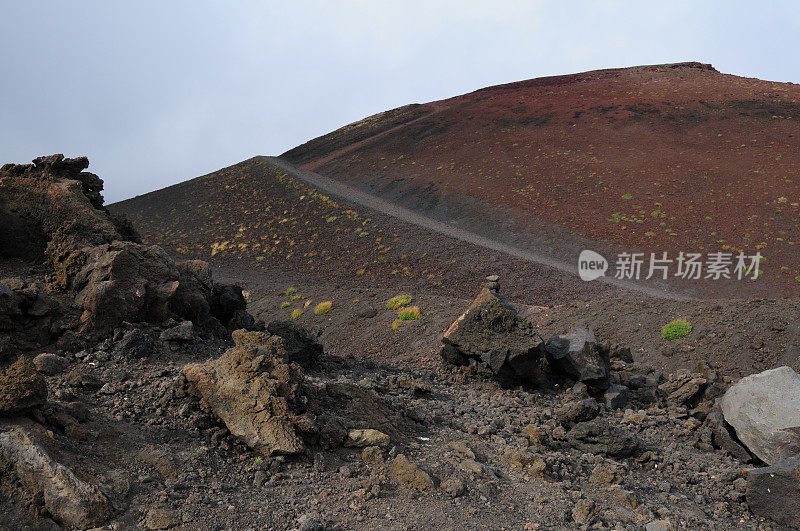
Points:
[(157, 92)]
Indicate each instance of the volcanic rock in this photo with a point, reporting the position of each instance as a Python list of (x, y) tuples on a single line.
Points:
[(70, 500), (576, 411), (21, 388), (774, 492), (181, 332), (49, 363), (582, 356), (764, 409), (490, 331), (301, 346), (407, 473), (599, 437), (256, 391)]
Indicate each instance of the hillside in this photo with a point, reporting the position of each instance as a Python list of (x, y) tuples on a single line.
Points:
[(660, 158)]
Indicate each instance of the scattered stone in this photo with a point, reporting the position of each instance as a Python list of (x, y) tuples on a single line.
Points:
[(454, 487), (616, 396), (368, 437), (70, 500), (83, 377), (157, 518), (659, 525), (774, 492), (21, 388), (311, 522), (584, 512), (50, 364), (573, 412), (582, 356), (599, 437), (764, 409), (605, 474), (135, 344), (372, 455), (683, 388), (407, 473), (182, 332)]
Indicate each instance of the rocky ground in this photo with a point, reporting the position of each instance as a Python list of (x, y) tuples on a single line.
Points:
[(184, 409)]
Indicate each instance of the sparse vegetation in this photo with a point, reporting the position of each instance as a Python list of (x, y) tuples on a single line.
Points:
[(295, 297), (290, 291), (676, 329), (323, 308), (297, 313), (284, 304), (411, 313), (399, 301), (397, 323)]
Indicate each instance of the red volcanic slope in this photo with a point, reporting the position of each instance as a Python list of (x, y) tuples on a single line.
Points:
[(668, 157)]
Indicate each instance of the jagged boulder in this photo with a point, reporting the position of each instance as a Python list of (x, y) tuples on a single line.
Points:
[(580, 355), (70, 500), (764, 409), (256, 391), (301, 345), (492, 332), (21, 388)]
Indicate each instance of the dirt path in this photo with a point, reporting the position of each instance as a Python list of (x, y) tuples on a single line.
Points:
[(351, 194)]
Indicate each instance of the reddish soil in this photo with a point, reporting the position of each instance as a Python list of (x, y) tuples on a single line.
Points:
[(656, 158)]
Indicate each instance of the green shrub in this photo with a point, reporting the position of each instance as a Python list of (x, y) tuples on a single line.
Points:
[(290, 291), (397, 323), (676, 329), (323, 308), (297, 313), (411, 313), (284, 304), (399, 301)]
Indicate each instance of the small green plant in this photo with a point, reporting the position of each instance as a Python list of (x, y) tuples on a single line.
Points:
[(297, 313), (295, 297), (397, 323), (398, 302), (676, 329), (284, 304), (259, 459), (411, 313), (323, 308), (627, 196), (290, 291)]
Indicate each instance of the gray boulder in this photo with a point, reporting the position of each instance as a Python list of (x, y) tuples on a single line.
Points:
[(580, 355), (774, 492), (764, 409)]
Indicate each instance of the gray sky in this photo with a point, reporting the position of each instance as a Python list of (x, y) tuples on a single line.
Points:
[(157, 92)]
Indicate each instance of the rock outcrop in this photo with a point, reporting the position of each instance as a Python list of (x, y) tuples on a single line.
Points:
[(764, 409), (96, 258)]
